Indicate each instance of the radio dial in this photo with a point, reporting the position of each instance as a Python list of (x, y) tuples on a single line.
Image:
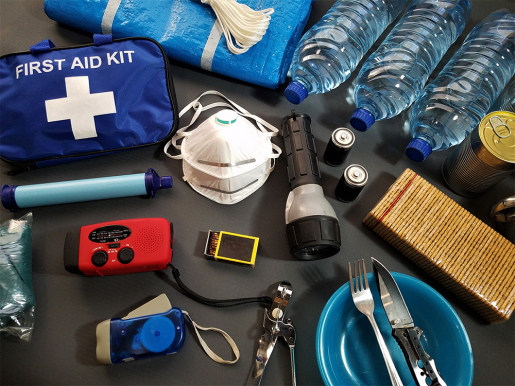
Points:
[(125, 255), (99, 258)]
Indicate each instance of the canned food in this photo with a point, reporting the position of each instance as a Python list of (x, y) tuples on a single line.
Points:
[(484, 158), (351, 184), (339, 146)]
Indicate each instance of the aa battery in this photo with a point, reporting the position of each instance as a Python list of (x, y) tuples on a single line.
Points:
[(484, 158), (354, 178), (339, 146)]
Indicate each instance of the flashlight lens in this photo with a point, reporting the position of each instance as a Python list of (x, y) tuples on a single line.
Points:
[(316, 252)]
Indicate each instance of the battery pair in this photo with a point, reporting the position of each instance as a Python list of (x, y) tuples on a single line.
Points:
[(355, 176)]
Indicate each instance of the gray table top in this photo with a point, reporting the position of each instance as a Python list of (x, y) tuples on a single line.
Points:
[(69, 307)]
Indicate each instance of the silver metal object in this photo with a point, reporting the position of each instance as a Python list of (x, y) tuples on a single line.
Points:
[(339, 146), (499, 211), (227, 164), (343, 137), (407, 335), (496, 122), (356, 175), (276, 328), (484, 158), (364, 302), (354, 178), (303, 202), (228, 191)]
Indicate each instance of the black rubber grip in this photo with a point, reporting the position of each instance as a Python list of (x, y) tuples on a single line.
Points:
[(300, 150), (314, 237)]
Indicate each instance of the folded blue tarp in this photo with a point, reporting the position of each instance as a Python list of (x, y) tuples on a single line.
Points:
[(187, 31)]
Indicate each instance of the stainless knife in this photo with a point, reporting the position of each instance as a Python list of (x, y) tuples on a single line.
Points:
[(404, 330)]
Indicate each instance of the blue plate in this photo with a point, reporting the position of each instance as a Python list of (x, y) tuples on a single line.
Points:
[(348, 352)]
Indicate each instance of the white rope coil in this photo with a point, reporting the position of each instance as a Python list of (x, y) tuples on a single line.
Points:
[(240, 23)]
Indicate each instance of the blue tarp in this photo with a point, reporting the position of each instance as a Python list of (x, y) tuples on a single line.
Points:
[(184, 26)]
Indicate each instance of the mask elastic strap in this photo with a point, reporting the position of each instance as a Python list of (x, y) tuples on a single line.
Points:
[(233, 105), (236, 107), (197, 106), (277, 153), (181, 132), (273, 157), (206, 348)]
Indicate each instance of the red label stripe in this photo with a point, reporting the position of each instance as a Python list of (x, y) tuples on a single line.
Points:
[(395, 201)]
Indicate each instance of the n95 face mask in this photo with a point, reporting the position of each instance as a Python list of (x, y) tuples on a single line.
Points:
[(226, 158)]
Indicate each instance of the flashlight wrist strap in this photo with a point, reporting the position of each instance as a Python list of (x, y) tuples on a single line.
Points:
[(206, 348), (215, 302)]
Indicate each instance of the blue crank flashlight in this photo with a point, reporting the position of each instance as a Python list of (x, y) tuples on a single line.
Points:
[(151, 330)]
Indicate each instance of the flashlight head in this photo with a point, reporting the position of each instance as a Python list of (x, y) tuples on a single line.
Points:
[(314, 237), (312, 227)]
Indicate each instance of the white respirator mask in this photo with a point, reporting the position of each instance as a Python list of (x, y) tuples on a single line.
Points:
[(226, 158)]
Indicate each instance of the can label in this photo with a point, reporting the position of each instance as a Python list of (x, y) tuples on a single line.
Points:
[(466, 174)]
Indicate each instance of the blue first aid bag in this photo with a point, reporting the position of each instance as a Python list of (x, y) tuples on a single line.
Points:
[(61, 105)]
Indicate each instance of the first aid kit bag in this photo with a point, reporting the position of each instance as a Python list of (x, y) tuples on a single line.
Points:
[(62, 105)]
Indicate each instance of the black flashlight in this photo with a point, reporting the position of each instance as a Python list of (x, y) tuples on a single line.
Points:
[(312, 227)]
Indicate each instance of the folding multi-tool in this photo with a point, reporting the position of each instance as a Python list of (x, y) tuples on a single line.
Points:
[(276, 328)]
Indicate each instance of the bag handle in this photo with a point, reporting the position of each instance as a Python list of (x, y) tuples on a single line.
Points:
[(43, 46), (100, 40), (198, 108), (47, 45)]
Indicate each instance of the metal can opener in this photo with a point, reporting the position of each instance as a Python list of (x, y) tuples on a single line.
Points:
[(275, 328)]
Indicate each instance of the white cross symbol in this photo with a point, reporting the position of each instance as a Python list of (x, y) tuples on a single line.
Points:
[(80, 107)]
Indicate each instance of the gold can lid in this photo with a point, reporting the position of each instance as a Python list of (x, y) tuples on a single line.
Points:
[(497, 132)]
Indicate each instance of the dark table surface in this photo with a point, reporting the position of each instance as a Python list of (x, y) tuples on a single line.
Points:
[(69, 307)]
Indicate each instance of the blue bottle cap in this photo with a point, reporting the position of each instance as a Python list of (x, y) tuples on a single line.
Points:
[(362, 119), (295, 93), (153, 182), (8, 199), (157, 334), (418, 150)]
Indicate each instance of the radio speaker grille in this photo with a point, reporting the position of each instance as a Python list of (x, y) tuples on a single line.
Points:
[(149, 239)]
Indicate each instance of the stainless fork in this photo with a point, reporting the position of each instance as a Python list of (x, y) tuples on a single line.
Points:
[(364, 302)]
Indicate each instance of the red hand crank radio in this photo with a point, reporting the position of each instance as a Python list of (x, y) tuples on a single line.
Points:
[(118, 247)]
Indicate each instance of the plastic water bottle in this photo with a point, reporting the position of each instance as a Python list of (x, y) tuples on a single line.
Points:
[(329, 52), (394, 76), (453, 104), (506, 101)]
